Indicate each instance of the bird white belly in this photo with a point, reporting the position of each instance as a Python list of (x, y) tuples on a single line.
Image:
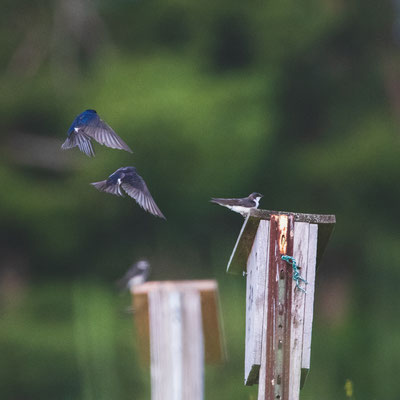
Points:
[(136, 280), (239, 209)]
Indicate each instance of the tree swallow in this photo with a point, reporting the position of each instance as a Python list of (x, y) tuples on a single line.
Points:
[(133, 184), (136, 275), (87, 126), (241, 206)]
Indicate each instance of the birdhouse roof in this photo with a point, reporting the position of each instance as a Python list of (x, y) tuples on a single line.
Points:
[(238, 260)]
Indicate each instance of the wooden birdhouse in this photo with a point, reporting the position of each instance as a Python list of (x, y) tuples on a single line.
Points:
[(179, 329), (279, 252)]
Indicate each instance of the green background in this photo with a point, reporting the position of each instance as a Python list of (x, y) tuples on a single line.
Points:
[(297, 100)]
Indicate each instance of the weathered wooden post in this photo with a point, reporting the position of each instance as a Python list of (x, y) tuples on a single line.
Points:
[(279, 252), (178, 324)]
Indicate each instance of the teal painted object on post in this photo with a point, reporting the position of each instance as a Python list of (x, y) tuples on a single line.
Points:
[(296, 274)]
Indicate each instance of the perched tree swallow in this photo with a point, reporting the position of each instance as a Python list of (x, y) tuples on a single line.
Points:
[(136, 275), (87, 126), (134, 186), (241, 206)]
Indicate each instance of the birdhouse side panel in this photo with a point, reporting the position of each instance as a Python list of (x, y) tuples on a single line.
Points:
[(141, 316), (309, 306), (256, 278), (214, 340), (300, 255)]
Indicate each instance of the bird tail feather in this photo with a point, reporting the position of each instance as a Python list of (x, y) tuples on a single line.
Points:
[(103, 187), (216, 201), (68, 144), (82, 141)]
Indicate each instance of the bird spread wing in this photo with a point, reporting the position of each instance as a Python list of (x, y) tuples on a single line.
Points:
[(104, 187), (231, 202), (136, 187), (104, 134)]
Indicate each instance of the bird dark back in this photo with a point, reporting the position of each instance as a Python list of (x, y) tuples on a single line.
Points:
[(87, 116), (128, 170), (82, 119), (113, 178)]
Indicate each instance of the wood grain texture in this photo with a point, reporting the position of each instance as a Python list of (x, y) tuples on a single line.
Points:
[(263, 367), (193, 346), (141, 316), (278, 318), (300, 254), (257, 267), (298, 217), (214, 341), (309, 302), (176, 343), (283, 357)]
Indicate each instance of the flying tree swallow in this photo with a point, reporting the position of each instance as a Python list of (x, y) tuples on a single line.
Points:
[(241, 206), (87, 126), (136, 275), (133, 184)]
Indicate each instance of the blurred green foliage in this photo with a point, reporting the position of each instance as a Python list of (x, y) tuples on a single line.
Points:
[(299, 101)]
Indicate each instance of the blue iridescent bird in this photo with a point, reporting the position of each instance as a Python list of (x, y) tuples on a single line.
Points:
[(87, 126), (133, 184)]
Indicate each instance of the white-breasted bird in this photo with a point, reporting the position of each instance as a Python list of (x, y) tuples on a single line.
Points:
[(136, 275), (134, 185), (241, 206)]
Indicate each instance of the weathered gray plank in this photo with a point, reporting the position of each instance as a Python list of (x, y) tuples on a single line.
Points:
[(262, 372), (176, 344), (214, 340), (257, 267), (278, 311), (193, 354), (215, 350), (309, 305), (298, 217), (300, 255)]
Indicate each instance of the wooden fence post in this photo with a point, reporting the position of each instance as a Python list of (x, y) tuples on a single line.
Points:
[(178, 324), (278, 313)]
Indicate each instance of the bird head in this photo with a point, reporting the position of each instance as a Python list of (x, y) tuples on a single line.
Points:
[(256, 195), (143, 265)]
